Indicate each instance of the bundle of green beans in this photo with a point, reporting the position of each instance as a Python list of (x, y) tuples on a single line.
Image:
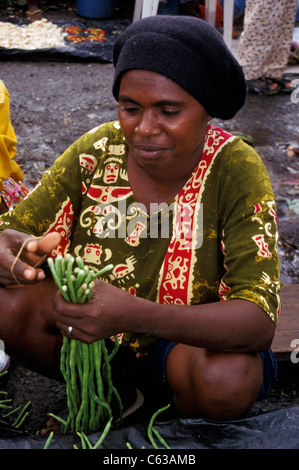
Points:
[(85, 367)]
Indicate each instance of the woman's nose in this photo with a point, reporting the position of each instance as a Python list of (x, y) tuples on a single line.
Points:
[(148, 124)]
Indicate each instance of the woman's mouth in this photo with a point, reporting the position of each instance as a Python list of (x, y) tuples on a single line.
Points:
[(149, 151)]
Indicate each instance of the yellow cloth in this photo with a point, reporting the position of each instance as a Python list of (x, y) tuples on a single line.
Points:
[(8, 140)]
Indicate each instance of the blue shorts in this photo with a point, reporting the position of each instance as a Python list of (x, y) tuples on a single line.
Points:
[(156, 361)]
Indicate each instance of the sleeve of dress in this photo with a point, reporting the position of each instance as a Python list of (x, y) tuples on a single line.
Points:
[(249, 233), (53, 204)]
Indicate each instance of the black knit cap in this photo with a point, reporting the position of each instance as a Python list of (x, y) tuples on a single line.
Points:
[(188, 51)]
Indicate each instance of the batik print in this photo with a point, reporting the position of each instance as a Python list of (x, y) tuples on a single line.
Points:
[(177, 269), (217, 240)]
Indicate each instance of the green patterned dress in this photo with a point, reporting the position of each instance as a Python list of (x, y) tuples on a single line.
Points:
[(217, 239)]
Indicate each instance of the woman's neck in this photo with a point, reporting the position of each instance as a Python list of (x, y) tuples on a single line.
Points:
[(154, 186)]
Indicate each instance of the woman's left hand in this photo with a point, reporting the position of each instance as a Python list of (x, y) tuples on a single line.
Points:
[(99, 318)]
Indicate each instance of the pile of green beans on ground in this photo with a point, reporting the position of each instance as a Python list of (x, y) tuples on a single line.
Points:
[(7, 409), (85, 367)]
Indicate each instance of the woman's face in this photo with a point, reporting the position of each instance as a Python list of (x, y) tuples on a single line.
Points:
[(164, 125)]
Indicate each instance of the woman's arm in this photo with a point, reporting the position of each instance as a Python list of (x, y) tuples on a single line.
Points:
[(232, 325)]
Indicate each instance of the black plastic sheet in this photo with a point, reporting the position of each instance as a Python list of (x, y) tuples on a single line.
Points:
[(86, 51), (277, 429)]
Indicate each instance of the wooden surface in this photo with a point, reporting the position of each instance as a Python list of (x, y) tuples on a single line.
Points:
[(287, 330)]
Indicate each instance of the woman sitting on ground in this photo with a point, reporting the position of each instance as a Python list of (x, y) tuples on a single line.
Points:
[(182, 209)]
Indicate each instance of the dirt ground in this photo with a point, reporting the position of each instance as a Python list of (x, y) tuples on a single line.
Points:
[(54, 102)]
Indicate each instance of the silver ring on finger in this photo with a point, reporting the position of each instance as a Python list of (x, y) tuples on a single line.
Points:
[(69, 330)]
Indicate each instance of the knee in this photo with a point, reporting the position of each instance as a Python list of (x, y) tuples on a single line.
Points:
[(219, 386), (230, 386)]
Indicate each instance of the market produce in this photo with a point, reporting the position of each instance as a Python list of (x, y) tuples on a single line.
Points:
[(40, 34), (85, 368)]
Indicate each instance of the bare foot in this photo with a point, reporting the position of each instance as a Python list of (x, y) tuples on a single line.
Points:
[(133, 402), (33, 13)]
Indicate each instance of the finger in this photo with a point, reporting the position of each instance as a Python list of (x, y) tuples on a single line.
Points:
[(44, 245), (63, 321), (24, 273), (36, 251), (14, 268), (70, 331), (73, 331), (16, 271), (66, 312)]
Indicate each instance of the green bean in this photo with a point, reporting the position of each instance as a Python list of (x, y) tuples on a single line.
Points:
[(93, 405), (80, 263), (115, 349), (90, 288), (104, 434), (84, 386), (79, 365), (85, 296), (58, 263), (80, 278), (3, 404), (103, 271), (48, 441), (81, 293), (120, 405), (88, 277), (22, 420), (56, 278), (162, 441), (64, 365), (107, 370), (150, 428), (91, 422), (22, 415), (97, 352), (63, 354), (84, 440), (72, 373), (82, 364), (61, 420), (12, 411), (69, 279), (72, 351), (102, 403), (17, 423)]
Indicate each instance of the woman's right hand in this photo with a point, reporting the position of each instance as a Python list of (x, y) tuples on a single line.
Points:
[(20, 254)]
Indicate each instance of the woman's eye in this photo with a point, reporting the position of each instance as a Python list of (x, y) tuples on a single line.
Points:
[(129, 109), (169, 112)]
